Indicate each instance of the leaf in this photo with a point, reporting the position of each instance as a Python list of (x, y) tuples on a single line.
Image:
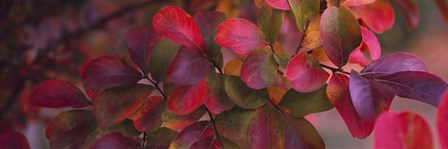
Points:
[(358, 2), (379, 16), (242, 96), (421, 86), (234, 125), (175, 122), (279, 4), (115, 140), (208, 23), (106, 72), (369, 97), (402, 130), (58, 94), (371, 42), (13, 140), (177, 25), (161, 56), (339, 95), (305, 73), (442, 120), (186, 99), (265, 129), (340, 34), (113, 105), (410, 11), (211, 142), (302, 104), (395, 62), (217, 100), (270, 21), (239, 35), (141, 41), (259, 69), (301, 133), (233, 67), (161, 139), (191, 134), (282, 59), (188, 68), (148, 112), (303, 11), (69, 128), (443, 7), (358, 57)]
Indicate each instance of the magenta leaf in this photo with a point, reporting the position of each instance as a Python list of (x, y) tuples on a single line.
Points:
[(279, 4), (58, 94), (371, 42), (13, 140), (239, 35), (339, 95), (395, 62), (418, 85), (188, 67), (175, 24), (379, 15), (442, 120), (115, 140), (186, 99), (358, 57), (402, 130), (259, 69), (193, 133), (306, 73), (357, 2), (369, 97), (106, 72), (140, 43)]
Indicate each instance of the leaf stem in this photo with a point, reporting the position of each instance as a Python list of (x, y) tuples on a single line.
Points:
[(302, 38), (212, 120), (144, 138), (156, 85), (334, 69)]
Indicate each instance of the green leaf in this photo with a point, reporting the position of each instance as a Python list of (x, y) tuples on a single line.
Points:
[(177, 123), (301, 104), (243, 96), (161, 139), (217, 100), (282, 59), (234, 124), (304, 10), (160, 58), (270, 21), (113, 105)]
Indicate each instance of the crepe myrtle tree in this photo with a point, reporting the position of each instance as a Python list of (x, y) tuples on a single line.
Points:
[(181, 92)]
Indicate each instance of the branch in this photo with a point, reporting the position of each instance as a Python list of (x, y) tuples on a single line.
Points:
[(212, 120), (303, 38), (335, 69)]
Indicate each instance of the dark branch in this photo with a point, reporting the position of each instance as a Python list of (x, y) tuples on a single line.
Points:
[(334, 69)]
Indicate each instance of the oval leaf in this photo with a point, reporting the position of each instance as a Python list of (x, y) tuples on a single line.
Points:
[(192, 134), (58, 94), (217, 100), (266, 129), (186, 99), (148, 112), (302, 104), (188, 67), (259, 69), (175, 122), (379, 16), (279, 4), (243, 96), (270, 21), (177, 25), (340, 34), (303, 11), (140, 43), (306, 73), (395, 62), (239, 35), (358, 2), (234, 125), (115, 140), (161, 139), (160, 58), (106, 72)]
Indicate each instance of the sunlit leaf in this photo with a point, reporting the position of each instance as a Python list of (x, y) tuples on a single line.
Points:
[(161, 56), (239, 35), (270, 21), (379, 16), (242, 96), (340, 34), (402, 130), (115, 140), (186, 99), (140, 43), (188, 67), (301, 104), (58, 94), (306, 73), (303, 11), (259, 69)]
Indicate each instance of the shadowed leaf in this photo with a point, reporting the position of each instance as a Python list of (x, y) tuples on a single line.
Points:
[(115, 141), (303, 11), (140, 43), (58, 94), (242, 96), (301, 104), (188, 67), (186, 99), (270, 21), (442, 121), (161, 56)]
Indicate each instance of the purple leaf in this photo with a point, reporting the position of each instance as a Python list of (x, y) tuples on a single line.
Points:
[(115, 140), (395, 62), (188, 67), (140, 43), (58, 94)]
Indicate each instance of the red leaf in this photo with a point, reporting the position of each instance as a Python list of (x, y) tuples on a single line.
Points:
[(211, 142), (421, 86), (148, 113), (358, 2), (371, 42), (339, 94), (442, 121), (193, 133), (340, 34), (239, 35), (140, 44), (58, 94), (115, 140), (379, 15), (175, 122), (279, 4), (369, 97), (178, 26), (188, 67), (259, 69), (402, 130), (185, 99), (410, 11), (13, 140), (358, 57), (266, 130), (395, 62), (106, 72), (306, 73), (443, 7)]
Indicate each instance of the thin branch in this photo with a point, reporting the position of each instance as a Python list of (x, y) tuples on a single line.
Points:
[(334, 69), (156, 85), (212, 120), (302, 38), (144, 138)]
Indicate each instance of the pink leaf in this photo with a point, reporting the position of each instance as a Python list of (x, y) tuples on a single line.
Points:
[(306, 73), (140, 44), (177, 25), (402, 130), (106, 72), (379, 15), (279, 4), (358, 57), (358, 2), (258, 69), (188, 67), (58, 94), (239, 35), (442, 121), (13, 140), (410, 11), (186, 99), (115, 140), (369, 39)]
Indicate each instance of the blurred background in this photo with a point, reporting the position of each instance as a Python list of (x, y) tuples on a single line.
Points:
[(43, 39)]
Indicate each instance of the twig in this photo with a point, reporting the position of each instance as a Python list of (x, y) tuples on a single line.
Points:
[(212, 120), (334, 69)]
